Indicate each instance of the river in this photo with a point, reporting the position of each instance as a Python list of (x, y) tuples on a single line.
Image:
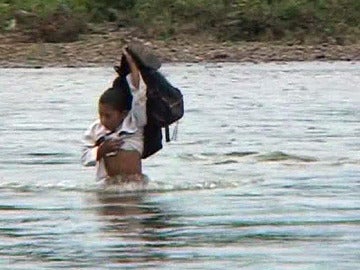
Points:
[(264, 172)]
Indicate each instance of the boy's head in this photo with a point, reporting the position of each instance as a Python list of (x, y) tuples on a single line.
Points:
[(114, 105)]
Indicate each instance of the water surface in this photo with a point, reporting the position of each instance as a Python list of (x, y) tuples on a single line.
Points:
[(264, 174)]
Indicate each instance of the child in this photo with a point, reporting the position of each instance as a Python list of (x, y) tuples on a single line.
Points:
[(114, 142)]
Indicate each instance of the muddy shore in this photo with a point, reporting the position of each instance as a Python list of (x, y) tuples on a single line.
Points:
[(104, 48)]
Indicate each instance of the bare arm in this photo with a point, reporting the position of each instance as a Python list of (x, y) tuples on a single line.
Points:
[(138, 90)]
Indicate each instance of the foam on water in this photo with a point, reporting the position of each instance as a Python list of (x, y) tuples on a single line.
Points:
[(152, 186)]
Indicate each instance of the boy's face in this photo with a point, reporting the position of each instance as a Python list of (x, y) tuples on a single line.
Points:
[(110, 117)]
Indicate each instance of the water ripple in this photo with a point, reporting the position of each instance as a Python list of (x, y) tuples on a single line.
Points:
[(264, 173)]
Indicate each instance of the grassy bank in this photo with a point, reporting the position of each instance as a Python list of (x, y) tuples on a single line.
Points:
[(300, 21)]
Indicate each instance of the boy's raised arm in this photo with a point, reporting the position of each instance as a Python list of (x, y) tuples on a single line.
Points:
[(134, 71), (138, 90)]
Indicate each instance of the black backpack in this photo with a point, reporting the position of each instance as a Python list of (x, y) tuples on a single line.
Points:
[(165, 104)]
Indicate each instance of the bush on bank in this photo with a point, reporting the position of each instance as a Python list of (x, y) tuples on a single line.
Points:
[(234, 20)]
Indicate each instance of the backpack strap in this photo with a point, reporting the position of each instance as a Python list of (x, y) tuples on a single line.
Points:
[(167, 133), (175, 131)]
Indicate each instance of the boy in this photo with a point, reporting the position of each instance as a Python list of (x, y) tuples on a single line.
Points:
[(114, 143)]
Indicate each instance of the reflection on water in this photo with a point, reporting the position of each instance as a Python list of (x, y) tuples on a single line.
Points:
[(132, 228), (264, 173)]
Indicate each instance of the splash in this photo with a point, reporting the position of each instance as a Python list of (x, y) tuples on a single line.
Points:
[(92, 186)]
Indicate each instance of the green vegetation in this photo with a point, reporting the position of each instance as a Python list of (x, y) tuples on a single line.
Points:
[(304, 21)]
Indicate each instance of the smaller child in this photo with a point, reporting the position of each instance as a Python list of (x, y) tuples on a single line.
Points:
[(114, 143)]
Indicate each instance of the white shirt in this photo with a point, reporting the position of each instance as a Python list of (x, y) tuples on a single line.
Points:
[(131, 131)]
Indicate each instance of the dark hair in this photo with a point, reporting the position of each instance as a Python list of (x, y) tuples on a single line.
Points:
[(118, 96)]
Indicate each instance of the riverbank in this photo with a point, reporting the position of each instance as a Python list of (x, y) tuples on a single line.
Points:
[(103, 48)]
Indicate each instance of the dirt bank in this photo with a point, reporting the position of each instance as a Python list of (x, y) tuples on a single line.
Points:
[(103, 49)]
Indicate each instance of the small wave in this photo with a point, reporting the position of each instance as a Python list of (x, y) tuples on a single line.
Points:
[(46, 154), (46, 186), (37, 162), (195, 142), (241, 154), (229, 161), (46, 162), (158, 186), (42, 158), (196, 157), (280, 156), (152, 186), (345, 161), (209, 155)]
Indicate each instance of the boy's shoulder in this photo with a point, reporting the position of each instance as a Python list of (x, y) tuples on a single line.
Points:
[(96, 123), (96, 126)]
